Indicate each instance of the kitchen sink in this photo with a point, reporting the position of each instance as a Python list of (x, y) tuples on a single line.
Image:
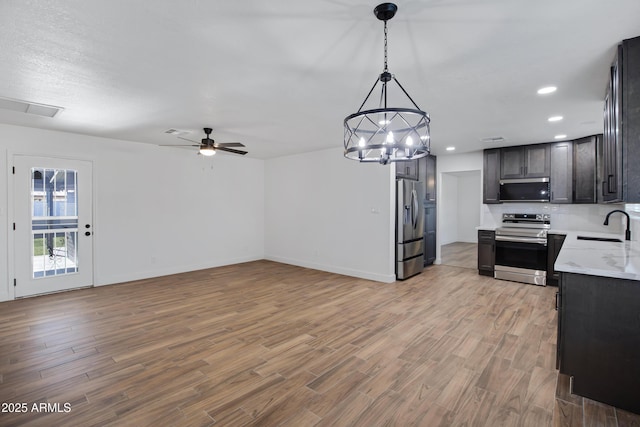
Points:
[(600, 239)]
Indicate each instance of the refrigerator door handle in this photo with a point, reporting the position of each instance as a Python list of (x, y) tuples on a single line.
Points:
[(412, 204), (414, 208)]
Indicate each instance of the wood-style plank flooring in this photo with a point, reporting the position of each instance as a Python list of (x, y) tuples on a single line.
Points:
[(267, 344), (460, 254)]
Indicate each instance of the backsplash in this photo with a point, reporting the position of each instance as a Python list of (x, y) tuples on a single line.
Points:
[(572, 217)]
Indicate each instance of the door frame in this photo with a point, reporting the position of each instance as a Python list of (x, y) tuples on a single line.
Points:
[(11, 218)]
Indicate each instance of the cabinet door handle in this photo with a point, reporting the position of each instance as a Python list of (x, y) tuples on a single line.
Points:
[(557, 295)]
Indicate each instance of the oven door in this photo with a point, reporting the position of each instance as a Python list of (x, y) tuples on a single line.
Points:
[(521, 259)]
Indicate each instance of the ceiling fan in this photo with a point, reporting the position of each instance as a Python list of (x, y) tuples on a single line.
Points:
[(208, 146)]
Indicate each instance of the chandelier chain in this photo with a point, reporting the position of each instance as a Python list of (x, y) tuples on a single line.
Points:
[(385, 47)]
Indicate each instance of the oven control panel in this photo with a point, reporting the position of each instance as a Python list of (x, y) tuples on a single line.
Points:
[(526, 219)]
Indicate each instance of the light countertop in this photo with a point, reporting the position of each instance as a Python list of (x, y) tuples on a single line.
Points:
[(594, 258)]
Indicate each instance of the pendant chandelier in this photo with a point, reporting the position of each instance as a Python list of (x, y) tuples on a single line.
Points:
[(381, 133)]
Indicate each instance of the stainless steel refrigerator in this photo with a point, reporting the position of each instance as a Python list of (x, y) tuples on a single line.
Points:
[(409, 228)]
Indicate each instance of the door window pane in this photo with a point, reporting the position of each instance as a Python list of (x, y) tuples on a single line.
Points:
[(54, 221)]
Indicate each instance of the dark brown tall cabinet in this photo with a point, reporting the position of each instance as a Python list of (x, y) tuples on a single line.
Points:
[(619, 176), (427, 174)]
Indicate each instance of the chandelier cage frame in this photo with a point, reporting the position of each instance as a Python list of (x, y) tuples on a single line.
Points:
[(387, 134)]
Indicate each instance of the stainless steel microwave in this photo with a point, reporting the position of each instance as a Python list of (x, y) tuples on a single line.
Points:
[(524, 190)]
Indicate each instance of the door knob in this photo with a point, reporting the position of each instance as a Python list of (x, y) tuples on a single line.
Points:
[(87, 226), (87, 233)]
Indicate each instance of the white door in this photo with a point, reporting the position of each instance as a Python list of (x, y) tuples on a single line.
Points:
[(53, 237)]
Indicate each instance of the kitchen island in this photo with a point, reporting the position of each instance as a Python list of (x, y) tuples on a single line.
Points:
[(599, 318)]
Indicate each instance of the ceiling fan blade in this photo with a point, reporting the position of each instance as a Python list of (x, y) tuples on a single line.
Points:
[(228, 144), (231, 150), (178, 145), (190, 140)]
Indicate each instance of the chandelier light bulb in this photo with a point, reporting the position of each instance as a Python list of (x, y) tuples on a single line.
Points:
[(390, 137), (409, 141), (362, 142)]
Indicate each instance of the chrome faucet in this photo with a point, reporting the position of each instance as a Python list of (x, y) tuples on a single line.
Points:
[(627, 234)]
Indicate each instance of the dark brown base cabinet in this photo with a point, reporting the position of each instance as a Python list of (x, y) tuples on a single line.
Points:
[(554, 242), (430, 215), (599, 338), (486, 252)]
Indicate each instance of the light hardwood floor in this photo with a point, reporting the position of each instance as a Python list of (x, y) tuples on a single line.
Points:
[(266, 344), (460, 254)]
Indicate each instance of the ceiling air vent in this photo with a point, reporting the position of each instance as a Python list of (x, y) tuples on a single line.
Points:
[(29, 107), (176, 132), (492, 139)]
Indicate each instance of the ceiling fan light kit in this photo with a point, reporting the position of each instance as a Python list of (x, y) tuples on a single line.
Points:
[(386, 134), (207, 151)]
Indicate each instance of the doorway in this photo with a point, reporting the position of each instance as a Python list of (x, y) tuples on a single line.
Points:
[(53, 237), (461, 201)]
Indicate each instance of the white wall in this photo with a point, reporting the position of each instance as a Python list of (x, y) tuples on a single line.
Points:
[(447, 228), (157, 210), (469, 184), (326, 212)]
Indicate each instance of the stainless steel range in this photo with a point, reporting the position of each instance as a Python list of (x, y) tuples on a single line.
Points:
[(521, 248)]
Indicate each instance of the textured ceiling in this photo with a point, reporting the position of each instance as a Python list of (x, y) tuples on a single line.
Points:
[(280, 76)]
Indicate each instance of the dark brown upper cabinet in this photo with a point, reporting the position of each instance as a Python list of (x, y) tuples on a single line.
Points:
[(407, 169), (561, 178), (619, 175), (528, 161), (584, 169), (491, 176)]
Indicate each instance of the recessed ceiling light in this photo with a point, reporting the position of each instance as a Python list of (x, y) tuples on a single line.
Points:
[(561, 136), (451, 148), (546, 90), (555, 118)]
